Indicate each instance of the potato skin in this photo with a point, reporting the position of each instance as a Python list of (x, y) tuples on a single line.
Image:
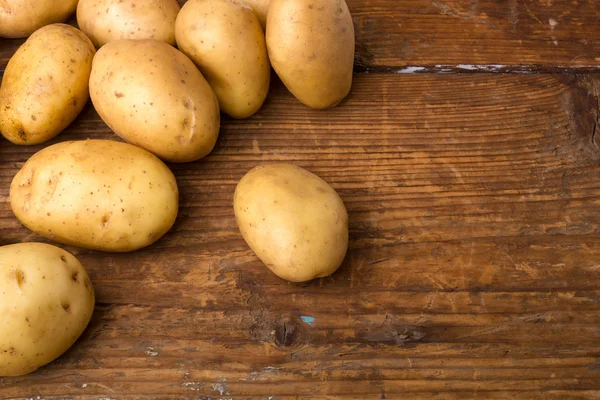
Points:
[(153, 96), (20, 18), (261, 9), (96, 194), (45, 85), (311, 47), (46, 302), (225, 40), (293, 220), (107, 20)]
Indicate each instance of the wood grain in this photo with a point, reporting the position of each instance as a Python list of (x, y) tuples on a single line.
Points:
[(467, 36), (473, 269)]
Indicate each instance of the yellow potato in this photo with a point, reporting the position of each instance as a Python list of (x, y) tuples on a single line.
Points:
[(293, 220), (261, 8), (46, 301), (225, 40), (107, 20), (96, 194), (311, 47), (20, 18), (153, 96), (45, 85)]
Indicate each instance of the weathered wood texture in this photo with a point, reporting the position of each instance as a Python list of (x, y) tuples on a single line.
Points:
[(469, 35), (473, 269)]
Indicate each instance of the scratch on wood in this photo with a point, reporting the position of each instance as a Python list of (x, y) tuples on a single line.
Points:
[(532, 15), (462, 15)]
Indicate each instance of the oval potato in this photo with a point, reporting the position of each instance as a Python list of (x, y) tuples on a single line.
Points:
[(20, 18), (225, 40), (311, 47), (45, 85), (107, 20), (96, 194), (293, 220), (261, 9), (46, 301), (153, 96)]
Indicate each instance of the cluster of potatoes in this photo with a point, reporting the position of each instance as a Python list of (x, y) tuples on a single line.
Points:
[(165, 103)]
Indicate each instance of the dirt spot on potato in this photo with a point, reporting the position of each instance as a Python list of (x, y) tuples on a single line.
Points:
[(26, 182), (20, 277), (52, 184), (105, 220), (119, 95), (88, 286), (66, 306), (75, 276)]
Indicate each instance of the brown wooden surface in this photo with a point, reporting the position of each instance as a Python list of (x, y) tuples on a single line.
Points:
[(474, 261), (468, 35)]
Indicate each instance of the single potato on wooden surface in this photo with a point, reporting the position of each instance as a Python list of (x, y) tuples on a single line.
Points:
[(261, 9), (96, 194), (225, 40), (311, 47), (152, 95), (293, 220), (20, 18), (107, 20), (46, 301), (45, 85)]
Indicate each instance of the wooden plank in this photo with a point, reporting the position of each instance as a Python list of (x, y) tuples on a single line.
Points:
[(467, 36), (473, 269), (477, 35)]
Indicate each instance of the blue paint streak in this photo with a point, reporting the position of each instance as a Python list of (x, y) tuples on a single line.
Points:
[(307, 320)]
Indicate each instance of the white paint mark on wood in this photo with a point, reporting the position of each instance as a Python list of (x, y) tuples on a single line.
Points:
[(151, 352), (409, 70), (193, 386), (220, 387)]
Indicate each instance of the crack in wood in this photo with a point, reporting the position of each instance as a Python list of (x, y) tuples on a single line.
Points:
[(595, 128)]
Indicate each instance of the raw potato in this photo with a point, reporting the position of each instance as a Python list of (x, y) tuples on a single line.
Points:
[(261, 9), (45, 85), (46, 301), (311, 47), (153, 96), (96, 194), (293, 220), (20, 18), (225, 40), (107, 20)]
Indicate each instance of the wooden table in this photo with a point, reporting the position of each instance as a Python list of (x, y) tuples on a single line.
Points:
[(468, 159)]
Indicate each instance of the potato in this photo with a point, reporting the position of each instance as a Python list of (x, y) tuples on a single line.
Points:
[(261, 8), (46, 301), (293, 220), (20, 18), (96, 194), (45, 85), (153, 96), (107, 20), (311, 47), (225, 40)]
